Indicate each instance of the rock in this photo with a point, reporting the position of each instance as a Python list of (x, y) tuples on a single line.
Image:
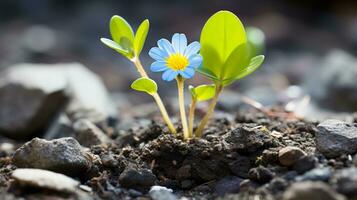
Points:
[(335, 138), (139, 179), (241, 166), (89, 134), (28, 102), (289, 155), (109, 161), (228, 185), (249, 140), (317, 174), (161, 193), (335, 87), (260, 174), (45, 179), (63, 155), (31, 95), (346, 182), (305, 163), (311, 191), (60, 127)]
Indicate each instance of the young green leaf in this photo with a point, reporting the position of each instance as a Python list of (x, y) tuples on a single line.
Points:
[(145, 85), (220, 36), (111, 44), (203, 92), (140, 36), (254, 64), (122, 33)]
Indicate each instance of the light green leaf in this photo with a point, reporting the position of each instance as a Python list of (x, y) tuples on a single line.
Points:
[(122, 33), (145, 85), (256, 40), (220, 36), (203, 92), (140, 36), (253, 65), (111, 44)]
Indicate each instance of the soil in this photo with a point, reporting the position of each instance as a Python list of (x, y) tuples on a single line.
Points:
[(238, 150)]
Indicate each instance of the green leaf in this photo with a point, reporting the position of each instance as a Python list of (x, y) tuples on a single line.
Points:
[(203, 92), (140, 36), (220, 36), (145, 85), (122, 33), (256, 40), (111, 44), (254, 64)]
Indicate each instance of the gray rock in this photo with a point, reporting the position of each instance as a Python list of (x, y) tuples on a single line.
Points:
[(335, 138), (305, 163), (161, 193), (89, 134), (45, 179), (60, 127), (317, 174), (63, 155), (289, 155), (260, 174), (228, 185), (346, 182), (335, 86), (31, 95), (311, 191), (135, 178)]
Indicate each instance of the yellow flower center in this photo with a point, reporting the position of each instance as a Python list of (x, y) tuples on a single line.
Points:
[(177, 62)]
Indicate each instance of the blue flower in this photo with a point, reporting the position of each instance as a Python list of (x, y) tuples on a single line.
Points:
[(175, 58)]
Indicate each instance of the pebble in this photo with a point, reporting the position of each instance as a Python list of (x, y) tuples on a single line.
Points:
[(260, 174), (45, 179), (64, 155), (161, 193), (317, 174), (311, 191), (335, 138), (139, 179), (289, 155), (89, 134), (305, 163), (346, 182)]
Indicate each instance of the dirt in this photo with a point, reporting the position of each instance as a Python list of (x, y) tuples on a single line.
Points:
[(239, 151)]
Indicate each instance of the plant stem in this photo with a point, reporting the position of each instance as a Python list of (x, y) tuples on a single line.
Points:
[(201, 126), (191, 116), (180, 87), (164, 114), (156, 96)]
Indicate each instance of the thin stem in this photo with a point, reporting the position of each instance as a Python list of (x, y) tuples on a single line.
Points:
[(156, 96), (181, 97), (201, 126), (164, 114), (191, 116)]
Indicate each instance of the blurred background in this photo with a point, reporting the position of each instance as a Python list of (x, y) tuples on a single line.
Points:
[(311, 46)]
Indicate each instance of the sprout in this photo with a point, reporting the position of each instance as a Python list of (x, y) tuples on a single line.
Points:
[(225, 54)]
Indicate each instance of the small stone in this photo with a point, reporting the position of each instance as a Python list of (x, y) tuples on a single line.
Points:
[(260, 174), (289, 155), (183, 172), (346, 182), (317, 174), (108, 160), (161, 193), (247, 185), (228, 185), (45, 179), (186, 184), (240, 167), (139, 179), (305, 163), (89, 134), (64, 155), (311, 191), (335, 138)]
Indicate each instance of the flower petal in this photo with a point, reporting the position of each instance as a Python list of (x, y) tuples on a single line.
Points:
[(179, 42), (187, 73), (192, 48), (157, 53), (165, 45), (195, 61), (158, 66), (169, 75)]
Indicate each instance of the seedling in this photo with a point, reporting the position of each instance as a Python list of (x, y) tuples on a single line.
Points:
[(226, 54)]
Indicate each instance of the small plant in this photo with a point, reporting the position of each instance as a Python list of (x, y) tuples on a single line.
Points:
[(225, 54)]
